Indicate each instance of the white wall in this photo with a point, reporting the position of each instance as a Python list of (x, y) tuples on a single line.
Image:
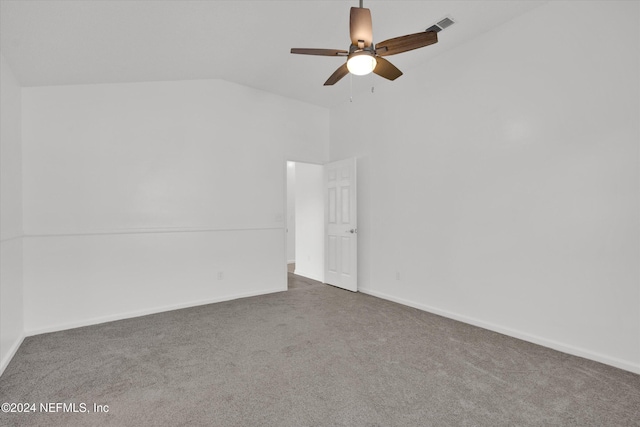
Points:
[(148, 196), (11, 312), (309, 221), (501, 181), (291, 212)]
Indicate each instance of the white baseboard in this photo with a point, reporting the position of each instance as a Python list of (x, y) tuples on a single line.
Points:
[(303, 273), (565, 348), (12, 352), (145, 312)]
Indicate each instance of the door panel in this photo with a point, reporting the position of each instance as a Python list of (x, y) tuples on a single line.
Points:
[(333, 253), (341, 237), (333, 215)]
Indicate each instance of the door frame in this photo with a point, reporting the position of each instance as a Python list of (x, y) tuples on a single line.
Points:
[(286, 218)]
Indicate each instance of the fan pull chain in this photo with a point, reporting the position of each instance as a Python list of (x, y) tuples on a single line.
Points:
[(350, 87)]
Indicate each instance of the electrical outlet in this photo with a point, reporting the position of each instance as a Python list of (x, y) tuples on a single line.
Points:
[(220, 275)]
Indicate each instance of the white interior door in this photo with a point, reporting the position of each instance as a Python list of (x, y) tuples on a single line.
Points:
[(341, 224)]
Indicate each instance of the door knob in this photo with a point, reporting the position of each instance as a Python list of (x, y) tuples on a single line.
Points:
[(353, 231)]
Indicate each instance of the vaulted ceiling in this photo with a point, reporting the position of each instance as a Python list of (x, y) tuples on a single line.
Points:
[(66, 42)]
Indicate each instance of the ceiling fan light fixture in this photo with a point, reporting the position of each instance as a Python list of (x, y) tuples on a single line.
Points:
[(361, 63), (365, 57)]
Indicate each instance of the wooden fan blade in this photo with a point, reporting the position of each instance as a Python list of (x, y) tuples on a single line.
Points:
[(405, 43), (386, 69), (360, 26), (321, 52), (337, 75)]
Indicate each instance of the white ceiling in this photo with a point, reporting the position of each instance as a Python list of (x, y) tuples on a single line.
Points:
[(63, 42)]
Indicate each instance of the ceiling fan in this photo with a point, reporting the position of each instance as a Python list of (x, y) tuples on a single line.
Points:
[(363, 57)]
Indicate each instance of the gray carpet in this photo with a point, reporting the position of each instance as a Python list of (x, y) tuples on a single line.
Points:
[(313, 356)]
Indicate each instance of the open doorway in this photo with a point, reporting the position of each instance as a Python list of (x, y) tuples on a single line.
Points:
[(305, 224)]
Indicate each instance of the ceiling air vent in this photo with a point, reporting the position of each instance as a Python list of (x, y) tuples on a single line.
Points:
[(446, 22)]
